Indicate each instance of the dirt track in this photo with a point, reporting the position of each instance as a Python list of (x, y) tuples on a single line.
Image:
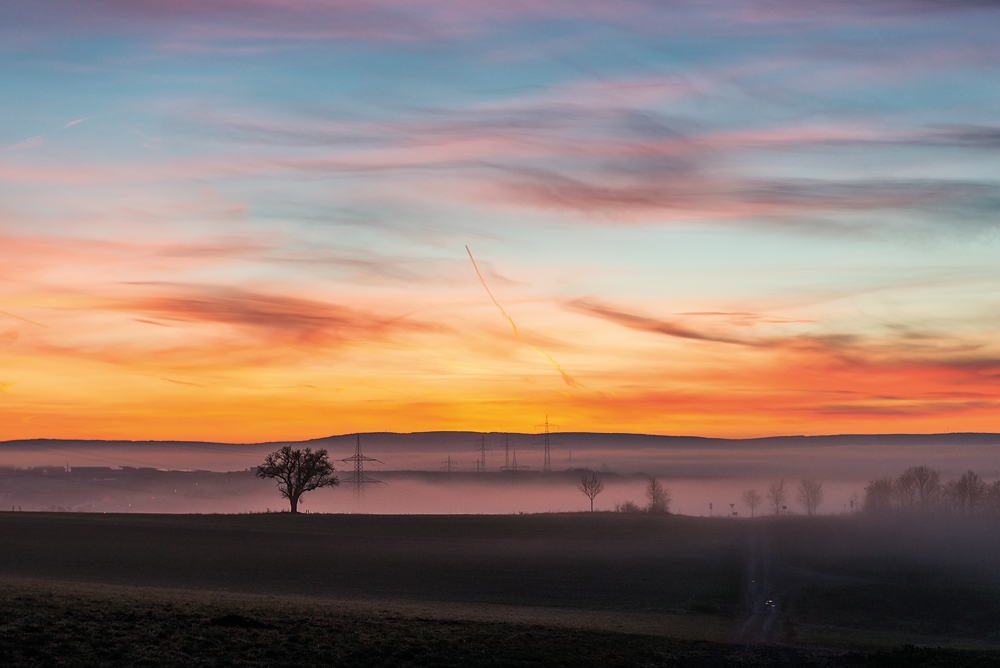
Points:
[(759, 600)]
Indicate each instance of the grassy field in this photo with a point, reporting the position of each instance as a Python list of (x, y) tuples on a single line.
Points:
[(572, 589), (641, 564), (921, 581)]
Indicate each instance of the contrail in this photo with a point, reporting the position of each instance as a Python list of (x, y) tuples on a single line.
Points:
[(17, 317), (568, 379)]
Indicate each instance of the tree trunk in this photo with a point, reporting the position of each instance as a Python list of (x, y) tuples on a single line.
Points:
[(591, 504), (294, 501)]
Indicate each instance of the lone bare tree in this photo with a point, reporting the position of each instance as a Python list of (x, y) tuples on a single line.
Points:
[(591, 486), (298, 472), (659, 497), (777, 494), (751, 498), (810, 495)]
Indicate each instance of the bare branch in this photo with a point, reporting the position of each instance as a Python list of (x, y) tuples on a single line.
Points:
[(591, 486)]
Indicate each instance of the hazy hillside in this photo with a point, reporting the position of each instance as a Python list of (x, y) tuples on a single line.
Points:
[(842, 457)]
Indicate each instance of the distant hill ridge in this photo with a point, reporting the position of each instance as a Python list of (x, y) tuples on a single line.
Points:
[(464, 441)]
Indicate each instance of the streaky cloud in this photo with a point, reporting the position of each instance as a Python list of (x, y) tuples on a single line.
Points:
[(279, 318), (652, 325)]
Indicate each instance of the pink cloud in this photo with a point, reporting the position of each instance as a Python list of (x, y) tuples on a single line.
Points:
[(26, 144), (272, 317)]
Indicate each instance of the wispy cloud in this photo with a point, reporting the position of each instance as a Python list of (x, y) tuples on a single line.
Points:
[(864, 354), (267, 317), (601, 158), (391, 19), (25, 144), (655, 326)]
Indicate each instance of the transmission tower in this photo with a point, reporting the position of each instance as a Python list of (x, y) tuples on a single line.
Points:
[(547, 442), (482, 447), (513, 467), (449, 466), (359, 478)]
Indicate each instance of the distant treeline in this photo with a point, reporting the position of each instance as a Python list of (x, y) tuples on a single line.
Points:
[(920, 490), (109, 473)]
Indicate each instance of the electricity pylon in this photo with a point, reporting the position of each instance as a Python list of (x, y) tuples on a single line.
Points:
[(482, 447), (513, 467), (547, 442), (358, 478)]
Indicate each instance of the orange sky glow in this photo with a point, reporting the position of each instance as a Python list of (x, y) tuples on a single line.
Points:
[(702, 221)]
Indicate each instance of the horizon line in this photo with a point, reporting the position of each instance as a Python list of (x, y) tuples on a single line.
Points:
[(463, 431)]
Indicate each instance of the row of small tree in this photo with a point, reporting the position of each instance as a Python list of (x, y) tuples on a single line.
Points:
[(658, 496), (919, 489), (809, 494)]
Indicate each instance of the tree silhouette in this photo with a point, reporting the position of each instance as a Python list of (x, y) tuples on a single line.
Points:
[(591, 486), (878, 495), (777, 493), (992, 500), (905, 487), (810, 495), (919, 485), (967, 493), (298, 472), (659, 497), (751, 498)]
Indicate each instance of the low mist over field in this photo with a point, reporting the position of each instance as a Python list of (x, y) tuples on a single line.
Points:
[(173, 477)]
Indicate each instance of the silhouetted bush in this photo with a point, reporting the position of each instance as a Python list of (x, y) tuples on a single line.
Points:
[(628, 507)]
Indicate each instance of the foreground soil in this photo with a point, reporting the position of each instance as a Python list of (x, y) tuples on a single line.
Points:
[(918, 580), (665, 574), (46, 624), (546, 590)]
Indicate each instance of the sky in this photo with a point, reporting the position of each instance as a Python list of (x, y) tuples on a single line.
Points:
[(283, 219)]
